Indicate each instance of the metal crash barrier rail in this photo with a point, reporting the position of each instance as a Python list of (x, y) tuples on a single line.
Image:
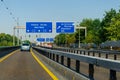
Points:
[(6, 50), (98, 53), (59, 56)]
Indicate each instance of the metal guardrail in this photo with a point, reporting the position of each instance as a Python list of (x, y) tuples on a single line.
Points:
[(89, 52), (4, 50), (112, 65)]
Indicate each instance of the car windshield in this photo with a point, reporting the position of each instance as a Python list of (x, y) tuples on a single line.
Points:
[(25, 44)]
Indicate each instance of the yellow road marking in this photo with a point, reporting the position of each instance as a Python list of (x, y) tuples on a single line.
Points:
[(5, 57), (44, 67)]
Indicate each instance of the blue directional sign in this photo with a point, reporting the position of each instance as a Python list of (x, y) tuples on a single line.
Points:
[(65, 27), (51, 39), (38, 27), (47, 39), (41, 39)]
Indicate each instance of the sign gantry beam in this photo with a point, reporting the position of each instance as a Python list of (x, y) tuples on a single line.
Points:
[(19, 27)]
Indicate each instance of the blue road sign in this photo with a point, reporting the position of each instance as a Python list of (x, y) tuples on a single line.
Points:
[(38, 27), (65, 27), (41, 39), (51, 39), (47, 39)]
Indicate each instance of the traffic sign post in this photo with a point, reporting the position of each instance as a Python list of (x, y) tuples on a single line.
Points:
[(65, 27), (38, 27)]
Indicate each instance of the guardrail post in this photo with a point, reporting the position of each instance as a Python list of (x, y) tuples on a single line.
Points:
[(106, 56), (77, 51), (91, 71), (68, 62), (47, 54), (50, 55), (57, 58), (99, 54), (84, 52), (113, 75), (77, 66), (88, 53), (62, 60), (74, 51), (115, 57), (54, 57), (93, 53)]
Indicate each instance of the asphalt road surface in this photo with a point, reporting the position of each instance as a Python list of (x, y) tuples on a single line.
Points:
[(22, 66)]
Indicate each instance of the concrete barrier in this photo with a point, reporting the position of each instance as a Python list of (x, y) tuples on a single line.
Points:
[(66, 73)]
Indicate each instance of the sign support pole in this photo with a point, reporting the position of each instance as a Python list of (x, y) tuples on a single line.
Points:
[(16, 27), (14, 36), (80, 27)]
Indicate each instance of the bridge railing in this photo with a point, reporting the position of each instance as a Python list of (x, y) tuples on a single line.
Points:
[(98, 53), (59, 56), (4, 50)]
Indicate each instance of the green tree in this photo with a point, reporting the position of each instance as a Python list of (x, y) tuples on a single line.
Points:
[(60, 39), (113, 30), (85, 23), (6, 39), (70, 38), (63, 39), (105, 24), (93, 28)]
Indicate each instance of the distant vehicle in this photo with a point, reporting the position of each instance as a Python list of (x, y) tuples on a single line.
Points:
[(25, 47)]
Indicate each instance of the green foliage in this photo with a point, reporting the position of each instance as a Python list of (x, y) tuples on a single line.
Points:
[(6, 39), (106, 21), (62, 39), (70, 38), (87, 23), (93, 27), (113, 30)]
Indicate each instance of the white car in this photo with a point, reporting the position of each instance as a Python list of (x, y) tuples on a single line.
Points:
[(25, 47)]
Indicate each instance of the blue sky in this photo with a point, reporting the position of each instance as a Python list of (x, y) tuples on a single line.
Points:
[(51, 10)]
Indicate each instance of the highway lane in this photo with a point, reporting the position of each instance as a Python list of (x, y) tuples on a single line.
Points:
[(22, 66)]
